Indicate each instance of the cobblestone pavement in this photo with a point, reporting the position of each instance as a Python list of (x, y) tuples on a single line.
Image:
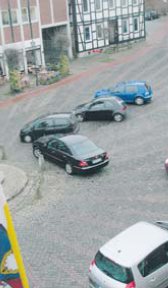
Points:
[(61, 225)]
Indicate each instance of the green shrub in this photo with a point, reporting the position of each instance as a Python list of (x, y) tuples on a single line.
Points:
[(15, 83), (64, 65), (50, 80)]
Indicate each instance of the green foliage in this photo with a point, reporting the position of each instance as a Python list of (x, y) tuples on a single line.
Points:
[(64, 65), (52, 67), (50, 80), (15, 83)]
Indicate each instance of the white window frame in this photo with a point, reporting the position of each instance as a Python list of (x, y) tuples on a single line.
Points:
[(99, 26), (35, 13), (87, 27), (125, 25), (87, 4), (98, 5), (111, 3), (12, 11), (124, 3)]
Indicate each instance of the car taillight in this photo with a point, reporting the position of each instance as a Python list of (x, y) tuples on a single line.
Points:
[(106, 156), (131, 285), (83, 164), (91, 265), (124, 107)]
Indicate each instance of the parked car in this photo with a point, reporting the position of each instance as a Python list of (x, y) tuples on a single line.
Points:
[(136, 257), (138, 92), (151, 15), (49, 124), (102, 109), (75, 153), (166, 165)]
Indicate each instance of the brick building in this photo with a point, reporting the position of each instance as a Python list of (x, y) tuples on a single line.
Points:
[(30, 26)]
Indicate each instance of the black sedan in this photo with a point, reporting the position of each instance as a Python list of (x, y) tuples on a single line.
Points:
[(75, 153), (109, 108), (63, 123)]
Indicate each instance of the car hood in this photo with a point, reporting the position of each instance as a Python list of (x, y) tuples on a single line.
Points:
[(81, 107), (103, 92)]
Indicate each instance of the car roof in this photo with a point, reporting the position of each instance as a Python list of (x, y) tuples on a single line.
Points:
[(73, 139), (58, 115), (134, 244), (133, 82), (67, 139)]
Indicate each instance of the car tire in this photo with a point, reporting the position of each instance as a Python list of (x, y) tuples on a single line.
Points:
[(27, 139), (118, 117), (80, 117), (139, 101), (37, 152), (69, 168)]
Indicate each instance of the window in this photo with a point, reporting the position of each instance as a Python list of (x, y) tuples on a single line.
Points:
[(125, 26), (119, 88), (87, 33), (131, 89), (62, 147), (124, 2), (135, 2), (61, 122), (85, 6), (33, 13), (97, 106), (6, 17), (99, 31), (98, 4), (135, 24), (154, 261), (111, 3), (112, 269), (25, 14)]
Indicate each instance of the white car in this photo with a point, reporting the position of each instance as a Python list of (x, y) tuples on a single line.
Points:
[(135, 258)]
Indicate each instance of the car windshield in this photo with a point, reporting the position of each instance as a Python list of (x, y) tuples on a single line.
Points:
[(147, 87), (112, 269), (83, 148)]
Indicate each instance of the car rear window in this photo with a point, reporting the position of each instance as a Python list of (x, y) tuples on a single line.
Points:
[(112, 269), (83, 148)]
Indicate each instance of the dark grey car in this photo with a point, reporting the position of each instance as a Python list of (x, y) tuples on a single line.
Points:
[(109, 108)]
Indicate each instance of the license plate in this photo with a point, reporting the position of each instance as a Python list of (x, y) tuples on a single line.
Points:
[(96, 160)]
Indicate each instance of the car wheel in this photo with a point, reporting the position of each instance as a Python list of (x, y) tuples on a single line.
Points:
[(118, 117), (139, 101), (80, 117), (27, 139), (37, 153), (69, 168)]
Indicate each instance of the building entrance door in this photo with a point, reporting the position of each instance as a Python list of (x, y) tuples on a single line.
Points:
[(113, 31)]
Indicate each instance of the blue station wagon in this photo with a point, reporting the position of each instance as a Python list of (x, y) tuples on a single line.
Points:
[(137, 92)]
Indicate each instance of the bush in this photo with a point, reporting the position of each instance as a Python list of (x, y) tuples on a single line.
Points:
[(64, 65), (50, 80), (15, 83)]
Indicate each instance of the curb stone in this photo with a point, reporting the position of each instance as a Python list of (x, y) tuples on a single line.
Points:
[(14, 180)]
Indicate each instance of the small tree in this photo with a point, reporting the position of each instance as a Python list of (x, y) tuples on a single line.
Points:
[(64, 65), (15, 83), (13, 58)]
